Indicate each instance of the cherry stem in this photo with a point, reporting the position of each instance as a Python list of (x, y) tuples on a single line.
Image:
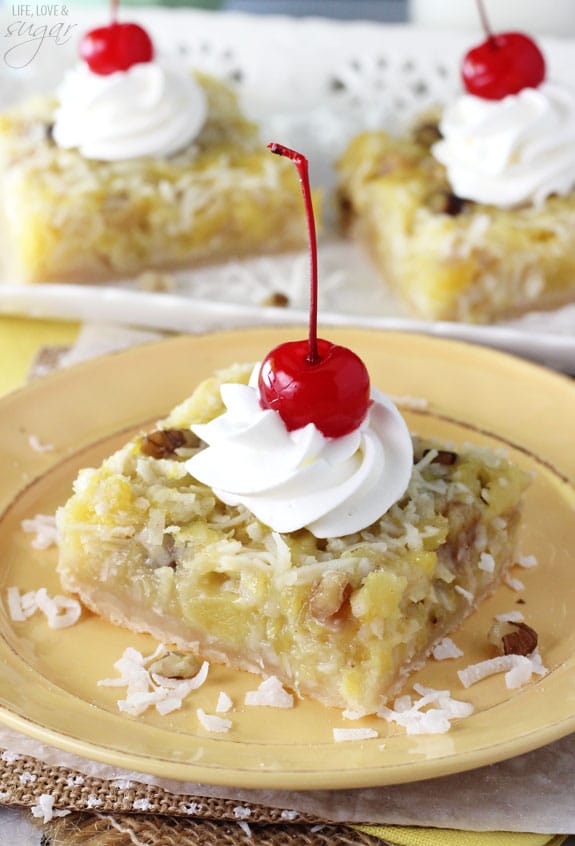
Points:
[(302, 165), (484, 19), (114, 11)]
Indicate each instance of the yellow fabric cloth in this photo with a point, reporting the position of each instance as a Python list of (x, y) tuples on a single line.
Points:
[(20, 342), (451, 837)]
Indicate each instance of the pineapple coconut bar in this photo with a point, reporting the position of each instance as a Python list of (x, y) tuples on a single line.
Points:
[(282, 520), (471, 215), (339, 619), (136, 164)]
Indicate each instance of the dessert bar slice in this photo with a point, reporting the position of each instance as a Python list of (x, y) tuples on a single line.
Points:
[(66, 218), (448, 258), (342, 620)]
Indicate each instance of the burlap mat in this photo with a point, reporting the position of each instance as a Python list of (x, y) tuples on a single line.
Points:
[(103, 830), (103, 813)]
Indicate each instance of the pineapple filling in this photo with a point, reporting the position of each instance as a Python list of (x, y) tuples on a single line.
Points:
[(341, 619)]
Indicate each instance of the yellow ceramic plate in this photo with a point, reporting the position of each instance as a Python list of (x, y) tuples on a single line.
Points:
[(48, 679)]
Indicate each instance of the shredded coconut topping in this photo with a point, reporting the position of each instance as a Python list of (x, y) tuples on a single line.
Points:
[(224, 703), (411, 403), (192, 808), (142, 804), (44, 808), (38, 446), (355, 714), (342, 735), (514, 584), (518, 669), (270, 694), (145, 689), (44, 527), (411, 716), (527, 561), (486, 562), (213, 723), (60, 611), (245, 828), (510, 617), (446, 649), (465, 593)]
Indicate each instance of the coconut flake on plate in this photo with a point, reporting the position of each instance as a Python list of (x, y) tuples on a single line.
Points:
[(353, 713), (44, 527), (224, 703), (342, 735), (270, 694), (510, 617), (518, 669), (38, 446), (437, 720), (526, 561), (213, 723), (60, 611), (146, 689), (446, 649), (514, 584), (15, 608)]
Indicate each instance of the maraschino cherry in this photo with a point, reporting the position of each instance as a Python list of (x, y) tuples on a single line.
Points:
[(314, 381), (116, 47), (503, 64)]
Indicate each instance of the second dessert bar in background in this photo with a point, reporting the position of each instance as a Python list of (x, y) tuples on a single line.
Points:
[(134, 165), (471, 216)]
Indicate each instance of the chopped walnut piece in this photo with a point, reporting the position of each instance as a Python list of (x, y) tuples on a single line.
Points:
[(512, 638), (520, 642), (445, 202), (329, 595), (176, 665), (426, 133), (276, 300), (164, 442), (345, 211), (444, 456)]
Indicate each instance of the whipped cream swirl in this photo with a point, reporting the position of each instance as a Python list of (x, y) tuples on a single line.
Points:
[(149, 110), (301, 479), (510, 152)]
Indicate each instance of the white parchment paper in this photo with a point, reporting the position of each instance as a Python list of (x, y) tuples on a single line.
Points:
[(534, 792)]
